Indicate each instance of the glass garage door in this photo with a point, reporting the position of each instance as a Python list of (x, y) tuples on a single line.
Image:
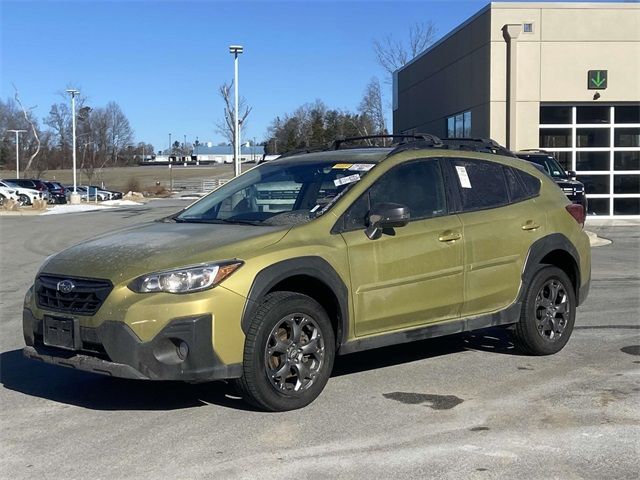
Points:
[(602, 144)]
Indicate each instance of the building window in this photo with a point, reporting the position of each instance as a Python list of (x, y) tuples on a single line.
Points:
[(601, 143), (459, 125)]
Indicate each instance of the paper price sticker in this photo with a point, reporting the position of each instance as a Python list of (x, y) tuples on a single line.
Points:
[(464, 177), (344, 180), (362, 167)]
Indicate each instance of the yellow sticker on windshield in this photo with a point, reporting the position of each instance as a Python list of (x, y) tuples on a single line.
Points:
[(343, 166)]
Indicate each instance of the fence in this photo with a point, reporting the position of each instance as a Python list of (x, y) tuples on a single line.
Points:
[(200, 185)]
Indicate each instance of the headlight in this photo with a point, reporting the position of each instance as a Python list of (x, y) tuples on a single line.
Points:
[(185, 280)]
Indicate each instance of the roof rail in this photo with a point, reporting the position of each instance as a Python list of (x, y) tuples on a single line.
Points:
[(423, 137), (300, 151), (486, 145)]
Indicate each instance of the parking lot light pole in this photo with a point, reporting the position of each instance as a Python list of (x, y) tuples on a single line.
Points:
[(236, 50), (17, 132), (74, 197)]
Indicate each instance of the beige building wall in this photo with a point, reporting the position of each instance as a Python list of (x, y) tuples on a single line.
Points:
[(467, 70), (567, 41)]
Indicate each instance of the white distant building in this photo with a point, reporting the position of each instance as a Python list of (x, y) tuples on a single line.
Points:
[(224, 153)]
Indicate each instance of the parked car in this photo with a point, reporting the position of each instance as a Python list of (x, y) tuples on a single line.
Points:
[(566, 180), (91, 195), (26, 196), (28, 183), (370, 247), (57, 192), (7, 193), (114, 195)]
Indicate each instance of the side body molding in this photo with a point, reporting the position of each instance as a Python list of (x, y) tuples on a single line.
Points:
[(315, 268)]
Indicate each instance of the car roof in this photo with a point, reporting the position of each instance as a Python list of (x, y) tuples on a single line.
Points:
[(353, 155)]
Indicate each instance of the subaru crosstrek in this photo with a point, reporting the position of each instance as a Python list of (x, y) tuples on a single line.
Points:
[(267, 278)]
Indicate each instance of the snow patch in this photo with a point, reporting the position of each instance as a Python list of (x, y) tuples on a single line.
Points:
[(120, 202), (59, 209)]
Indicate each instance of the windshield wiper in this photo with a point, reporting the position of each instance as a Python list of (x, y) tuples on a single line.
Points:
[(241, 222)]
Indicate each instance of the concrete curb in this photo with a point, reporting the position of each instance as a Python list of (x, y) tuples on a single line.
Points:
[(595, 240)]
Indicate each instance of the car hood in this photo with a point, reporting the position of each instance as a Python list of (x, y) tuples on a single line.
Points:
[(127, 254)]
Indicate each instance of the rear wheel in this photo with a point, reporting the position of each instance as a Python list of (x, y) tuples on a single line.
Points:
[(288, 354), (548, 313)]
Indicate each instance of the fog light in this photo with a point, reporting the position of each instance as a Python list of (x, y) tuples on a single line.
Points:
[(182, 350)]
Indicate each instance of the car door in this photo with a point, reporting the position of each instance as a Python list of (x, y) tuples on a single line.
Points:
[(498, 228), (412, 275)]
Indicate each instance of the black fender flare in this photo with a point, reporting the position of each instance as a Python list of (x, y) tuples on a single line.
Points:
[(542, 247), (310, 266)]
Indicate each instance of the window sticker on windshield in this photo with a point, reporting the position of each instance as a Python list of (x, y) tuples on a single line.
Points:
[(464, 177), (362, 167), (344, 180), (342, 166), (314, 209)]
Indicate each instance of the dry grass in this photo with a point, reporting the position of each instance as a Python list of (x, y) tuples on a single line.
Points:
[(147, 177)]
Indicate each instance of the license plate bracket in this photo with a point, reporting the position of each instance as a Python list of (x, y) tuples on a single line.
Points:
[(60, 332)]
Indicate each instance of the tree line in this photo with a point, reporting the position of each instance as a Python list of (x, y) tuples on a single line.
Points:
[(104, 137)]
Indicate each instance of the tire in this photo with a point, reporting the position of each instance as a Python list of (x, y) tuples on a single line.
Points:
[(548, 313), (281, 372), (2, 199), (23, 200)]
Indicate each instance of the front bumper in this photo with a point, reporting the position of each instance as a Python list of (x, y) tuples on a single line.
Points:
[(114, 349)]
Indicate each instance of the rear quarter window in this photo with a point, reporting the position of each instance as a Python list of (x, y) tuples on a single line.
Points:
[(521, 185), (531, 184)]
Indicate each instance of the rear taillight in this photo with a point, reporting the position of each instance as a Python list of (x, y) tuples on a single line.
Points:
[(577, 211)]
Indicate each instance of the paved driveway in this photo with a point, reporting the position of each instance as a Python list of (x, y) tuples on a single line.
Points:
[(458, 407)]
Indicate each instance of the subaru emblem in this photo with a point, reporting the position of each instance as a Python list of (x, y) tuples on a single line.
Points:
[(65, 286)]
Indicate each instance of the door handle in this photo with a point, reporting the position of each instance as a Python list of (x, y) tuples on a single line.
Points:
[(449, 236), (530, 225)]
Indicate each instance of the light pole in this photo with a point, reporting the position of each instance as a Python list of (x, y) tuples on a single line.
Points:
[(74, 198), (17, 132), (236, 50), (170, 169), (184, 149)]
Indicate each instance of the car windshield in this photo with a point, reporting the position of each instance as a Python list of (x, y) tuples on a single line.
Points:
[(550, 164), (279, 193)]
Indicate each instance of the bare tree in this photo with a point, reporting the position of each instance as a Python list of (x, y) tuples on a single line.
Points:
[(371, 109), (29, 119), (391, 53), (226, 127)]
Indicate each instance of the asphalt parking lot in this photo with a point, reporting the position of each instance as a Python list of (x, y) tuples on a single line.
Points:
[(466, 406)]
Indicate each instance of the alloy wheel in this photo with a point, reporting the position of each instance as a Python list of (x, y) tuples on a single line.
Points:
[(294, 353), (552, 310)]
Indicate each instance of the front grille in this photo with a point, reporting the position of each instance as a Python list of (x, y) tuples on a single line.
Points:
[(85, 298)]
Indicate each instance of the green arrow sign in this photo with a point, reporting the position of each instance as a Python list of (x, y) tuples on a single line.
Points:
[(597, 79)]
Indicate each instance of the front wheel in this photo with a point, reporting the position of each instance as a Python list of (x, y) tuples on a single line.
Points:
[(548, 313), (288, 354), (23, 200)]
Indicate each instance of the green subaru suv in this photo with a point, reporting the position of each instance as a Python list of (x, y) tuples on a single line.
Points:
[(266, 279)]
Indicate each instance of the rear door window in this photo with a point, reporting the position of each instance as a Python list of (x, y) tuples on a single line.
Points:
[(482, 184)]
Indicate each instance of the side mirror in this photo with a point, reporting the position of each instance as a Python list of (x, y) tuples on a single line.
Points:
[(572, 174), (386, 215)]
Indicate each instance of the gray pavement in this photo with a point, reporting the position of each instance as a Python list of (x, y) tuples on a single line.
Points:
[(455, 407)]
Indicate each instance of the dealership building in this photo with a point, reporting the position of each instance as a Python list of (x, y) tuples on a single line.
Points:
[(563, 77)]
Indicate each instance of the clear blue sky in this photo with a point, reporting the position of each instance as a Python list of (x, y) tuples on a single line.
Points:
[(162, 61)]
